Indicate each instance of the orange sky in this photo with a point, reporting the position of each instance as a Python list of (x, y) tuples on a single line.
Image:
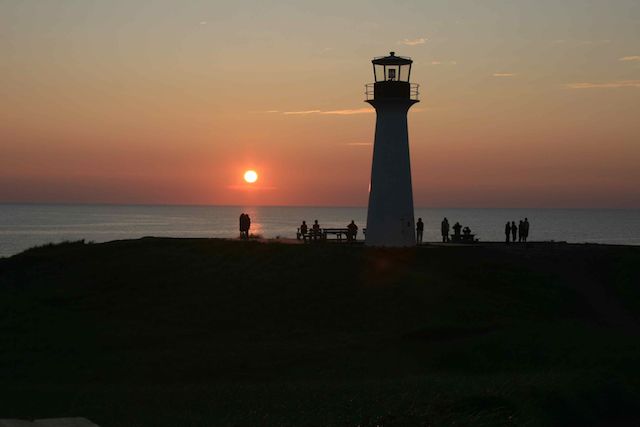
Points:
[(525, 104)]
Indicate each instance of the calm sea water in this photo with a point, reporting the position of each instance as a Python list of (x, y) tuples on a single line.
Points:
[(24, 226)]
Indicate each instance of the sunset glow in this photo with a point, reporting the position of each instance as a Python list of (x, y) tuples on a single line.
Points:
[(523, 103)]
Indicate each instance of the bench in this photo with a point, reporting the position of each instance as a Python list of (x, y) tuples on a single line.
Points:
[(309, 235)]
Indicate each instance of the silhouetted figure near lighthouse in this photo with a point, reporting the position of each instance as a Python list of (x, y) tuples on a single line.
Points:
[(419, 230), (456, 231), (242, 225), (444, 230), (525, 234), (352, 231), (514, 231), (507, 231), (390, 219), (315, 230), (520, 231)]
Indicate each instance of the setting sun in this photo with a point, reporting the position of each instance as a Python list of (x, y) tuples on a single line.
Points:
[(250, 176)]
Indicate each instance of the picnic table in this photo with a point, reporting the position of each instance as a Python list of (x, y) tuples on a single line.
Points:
[(336, 234), (464, 238)]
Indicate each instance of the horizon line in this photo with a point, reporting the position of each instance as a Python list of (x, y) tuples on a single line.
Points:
[(2, 203)]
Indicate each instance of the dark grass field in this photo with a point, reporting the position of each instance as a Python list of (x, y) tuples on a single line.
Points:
[(203, 332)]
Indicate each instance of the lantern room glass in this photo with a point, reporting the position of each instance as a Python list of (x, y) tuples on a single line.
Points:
[(398, 73)]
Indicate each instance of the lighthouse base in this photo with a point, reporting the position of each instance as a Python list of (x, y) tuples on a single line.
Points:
[(390, 220)]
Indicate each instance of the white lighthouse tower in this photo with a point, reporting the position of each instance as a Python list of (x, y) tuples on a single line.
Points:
[(390, 219)]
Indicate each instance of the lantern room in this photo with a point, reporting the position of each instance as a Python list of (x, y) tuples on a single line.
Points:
[(391, 68), (391, 78)]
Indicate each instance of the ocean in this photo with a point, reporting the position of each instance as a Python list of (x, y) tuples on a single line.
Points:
[(25, 226)]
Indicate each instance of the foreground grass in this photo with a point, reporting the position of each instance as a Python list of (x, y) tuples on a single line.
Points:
[(197, 332)]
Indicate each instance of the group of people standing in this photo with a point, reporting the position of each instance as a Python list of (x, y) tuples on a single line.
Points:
[(444, 230), (245, 225), (521, 231), (511, 230)]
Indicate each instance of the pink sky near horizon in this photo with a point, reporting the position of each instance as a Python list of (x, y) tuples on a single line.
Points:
[(531, 104)]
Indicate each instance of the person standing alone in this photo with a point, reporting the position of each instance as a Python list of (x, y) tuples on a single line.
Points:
[(247, 225), (444, 230), (419, 230), (242, 225)]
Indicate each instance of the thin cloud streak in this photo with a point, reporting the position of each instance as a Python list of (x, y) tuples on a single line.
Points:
[(630, 58), (573, 43), (251, 187), (346, 112), (359, 144), (301, 113), (413, 42), (503, 75), (363, 110), (605, 85)]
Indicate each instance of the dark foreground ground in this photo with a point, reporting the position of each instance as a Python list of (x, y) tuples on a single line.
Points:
[(197, 332)]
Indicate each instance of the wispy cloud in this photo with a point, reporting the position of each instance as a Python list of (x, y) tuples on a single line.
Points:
[(251, 188), (359, 144), (346, 112), (272, 111), (571, 43), (605, 85), (301, 112), (444, 62), (503, 74), (630, 58), (364, 110), (413, 42)]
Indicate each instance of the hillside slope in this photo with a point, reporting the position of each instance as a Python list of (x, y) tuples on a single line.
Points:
[(201, 332)]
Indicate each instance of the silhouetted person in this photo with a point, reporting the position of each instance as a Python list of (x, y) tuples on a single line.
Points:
[(520, 231), (507, 231), (243, 222), (419, 230), (514, 231), (303, 230), (466, 231), (352, 231), (444, 230), (247, 224), (526, 229), (315, 230), (456, 229)]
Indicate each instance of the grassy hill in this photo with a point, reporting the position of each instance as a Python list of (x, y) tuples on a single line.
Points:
[(204, 332)]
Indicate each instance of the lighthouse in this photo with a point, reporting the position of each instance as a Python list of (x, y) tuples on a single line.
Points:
[(390, 220)]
